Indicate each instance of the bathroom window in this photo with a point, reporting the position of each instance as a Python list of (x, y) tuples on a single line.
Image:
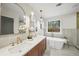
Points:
[(54, 26)]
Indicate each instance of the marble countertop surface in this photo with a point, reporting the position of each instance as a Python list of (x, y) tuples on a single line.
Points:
[(22, 48)]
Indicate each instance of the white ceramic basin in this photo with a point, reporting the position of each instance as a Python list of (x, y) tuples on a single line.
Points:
[(19, 48)]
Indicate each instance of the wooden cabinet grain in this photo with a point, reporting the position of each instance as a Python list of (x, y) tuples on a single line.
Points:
[(77, 20), (38, 50)]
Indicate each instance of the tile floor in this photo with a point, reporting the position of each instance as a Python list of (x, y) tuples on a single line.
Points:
[(71, 51)]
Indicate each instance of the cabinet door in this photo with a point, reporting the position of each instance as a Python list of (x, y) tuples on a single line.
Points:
[(42, 47), (78, 20), (38, 50), (33, 52)]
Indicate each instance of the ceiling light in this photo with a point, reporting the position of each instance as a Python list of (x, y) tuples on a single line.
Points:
[(59, 4)]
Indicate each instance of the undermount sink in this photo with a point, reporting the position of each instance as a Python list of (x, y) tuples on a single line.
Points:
[(19, 48), (22, 46), (15, 50)]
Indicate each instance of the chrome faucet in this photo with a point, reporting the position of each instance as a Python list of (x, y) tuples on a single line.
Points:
[(12, 43), (18, 40)]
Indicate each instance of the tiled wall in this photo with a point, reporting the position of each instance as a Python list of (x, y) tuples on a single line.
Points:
[(71, 34)]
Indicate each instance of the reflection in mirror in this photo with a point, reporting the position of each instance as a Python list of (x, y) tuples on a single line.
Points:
[(12, 19), (7, 25), (32, 27)]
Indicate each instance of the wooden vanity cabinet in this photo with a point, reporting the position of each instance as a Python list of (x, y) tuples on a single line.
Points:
[(38, 50), (77, 20)]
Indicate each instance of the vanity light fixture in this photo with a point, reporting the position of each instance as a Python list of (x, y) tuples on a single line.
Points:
[(24, 17), (32, 13), (41, 18)]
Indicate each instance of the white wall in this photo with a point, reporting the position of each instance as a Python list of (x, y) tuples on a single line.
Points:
[(69, 21), (67, 25)]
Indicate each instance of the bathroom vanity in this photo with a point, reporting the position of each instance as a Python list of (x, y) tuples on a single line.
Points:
[(38, 50), (33, 47)]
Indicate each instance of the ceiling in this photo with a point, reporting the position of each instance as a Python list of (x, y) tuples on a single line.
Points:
[(50, 9), (14, 8)]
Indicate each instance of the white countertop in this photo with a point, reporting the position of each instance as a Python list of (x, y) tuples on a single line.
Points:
[(22, 48)]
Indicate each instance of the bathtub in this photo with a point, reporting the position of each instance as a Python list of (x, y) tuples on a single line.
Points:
[(56, 43)]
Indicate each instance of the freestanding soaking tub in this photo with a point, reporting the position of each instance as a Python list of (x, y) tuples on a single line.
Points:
[(56, 43)]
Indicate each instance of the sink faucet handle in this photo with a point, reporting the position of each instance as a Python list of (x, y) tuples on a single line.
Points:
[(18, 40), (12, 43)]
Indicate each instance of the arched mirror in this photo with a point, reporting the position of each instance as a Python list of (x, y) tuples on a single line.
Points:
[(13, 19)]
